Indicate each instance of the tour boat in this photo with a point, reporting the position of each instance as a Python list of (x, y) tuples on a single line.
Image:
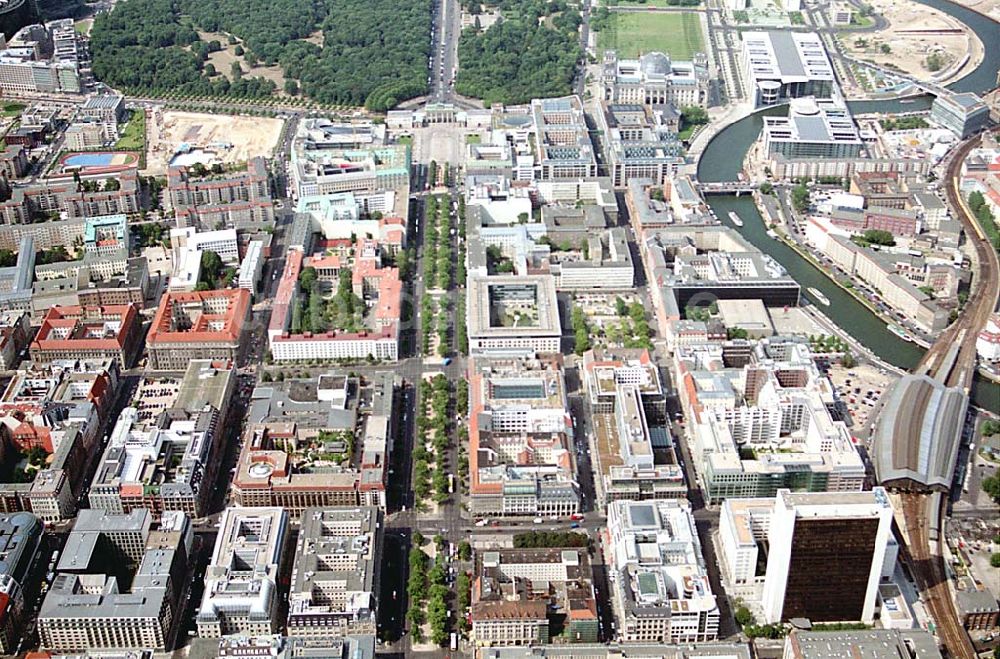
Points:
[(899, 331), (735, 218), (818, 294)]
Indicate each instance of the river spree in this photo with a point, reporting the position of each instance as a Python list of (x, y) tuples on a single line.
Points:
[(723, 158)]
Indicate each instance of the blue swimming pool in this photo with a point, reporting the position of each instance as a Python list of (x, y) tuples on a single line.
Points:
[(89, 160)]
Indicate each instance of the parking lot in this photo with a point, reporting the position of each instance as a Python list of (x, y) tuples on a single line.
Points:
[(154, 396), (860, 388)]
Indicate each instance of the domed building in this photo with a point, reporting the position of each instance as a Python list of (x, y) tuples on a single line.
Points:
[(653, 79)]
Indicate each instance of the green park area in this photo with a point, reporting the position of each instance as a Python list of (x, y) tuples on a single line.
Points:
[(652, 3), (678, 34), (11, 109), (133, 138)]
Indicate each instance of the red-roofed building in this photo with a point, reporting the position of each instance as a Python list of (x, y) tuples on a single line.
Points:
[(89, 333), (198, 325), (370, 281)]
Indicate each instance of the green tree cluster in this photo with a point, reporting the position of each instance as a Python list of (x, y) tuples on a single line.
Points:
[(800, 198), (546, 539), (433, 426), (416, 588), (150, 234), (581, 331), (935, 62), (979, 207), (374, 53), (693, 115), (57, 254), (875, 237), (903, 123), (437, 606), (532, 53), (991, 486)]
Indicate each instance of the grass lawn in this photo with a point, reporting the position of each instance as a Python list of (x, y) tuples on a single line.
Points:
[(862, 21), (649, 3), (134, 137), (472, 138), (11, 109), (678, 34)]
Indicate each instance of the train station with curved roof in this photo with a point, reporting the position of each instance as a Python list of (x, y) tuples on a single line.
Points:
[(916, 441)]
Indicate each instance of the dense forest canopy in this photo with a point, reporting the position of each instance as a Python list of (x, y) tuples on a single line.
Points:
[(531, 53), (374, 51)]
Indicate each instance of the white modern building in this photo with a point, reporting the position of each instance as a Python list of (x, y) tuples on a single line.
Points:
[(779, 65), (988, 341), (188, 245), (253, 264), (241, 583), (802, 538), (513, 315), (223, 242), (813, 129), (660, 587)]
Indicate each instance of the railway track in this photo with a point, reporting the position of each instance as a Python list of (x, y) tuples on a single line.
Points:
[(922, 513), (981, 301), (929, 571)]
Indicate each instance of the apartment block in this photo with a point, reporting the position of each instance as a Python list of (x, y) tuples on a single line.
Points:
[(168, 468), (511, 583), (89, 333), (759, 415), (60, 408), (239, 200), (241, 583), (519, 440), (661, 591), (20, 537), (41, 201), (14, 161), (335, 578), (198, 325), (14, 326), (87, 608), (897, 278)]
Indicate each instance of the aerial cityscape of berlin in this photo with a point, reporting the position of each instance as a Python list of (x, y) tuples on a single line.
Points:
[(500, 329)]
